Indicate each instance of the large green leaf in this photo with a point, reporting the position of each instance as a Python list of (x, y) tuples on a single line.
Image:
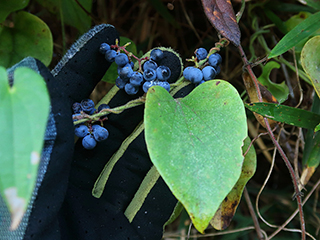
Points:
[(24, 110), (29, 36), (290, 115), (279, 91), (195, 143), (228, 207), (310, 60), (71, 12), (6, 7), (303, 30)]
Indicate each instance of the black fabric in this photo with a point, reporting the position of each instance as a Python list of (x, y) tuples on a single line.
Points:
[(65, 207)]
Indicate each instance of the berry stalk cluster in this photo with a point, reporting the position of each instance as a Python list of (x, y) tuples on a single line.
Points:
[(144, 77), (91, 133)]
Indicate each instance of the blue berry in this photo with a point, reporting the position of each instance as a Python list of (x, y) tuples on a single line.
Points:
[(150, 65), (218, 69), (201, 53), (76, 116), (121, 59), (163, 73), (88, 142), (81, 131), (88, 106), (99, 133), (76, 107), (193, 74), (103, 106), (110, 55), (136, 79), (209, 73), (104, 47), (165, 85), (120, 83), (130, 89), (125, 72), (149, 74), (214, 60), (156, 54), (132, 64), (147, 85)]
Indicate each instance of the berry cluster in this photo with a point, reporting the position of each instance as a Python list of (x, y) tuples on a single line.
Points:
[(151, 74), (91, 133), (207, 71)]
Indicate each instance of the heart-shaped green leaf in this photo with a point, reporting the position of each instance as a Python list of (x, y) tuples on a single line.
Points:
[(310, 60), (24, 110), (6, 7), (30, 36), (195, 143), (279, 90), (228, 207)]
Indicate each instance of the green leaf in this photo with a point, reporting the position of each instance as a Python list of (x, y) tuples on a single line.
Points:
[(24, 110), (195, 143), (289, 115), (279, 91), (30, 36), (317, 128), (228, 207), (6, 7), (313, 3), (303, 30), (112, 73), (310, 61), (71, 12)]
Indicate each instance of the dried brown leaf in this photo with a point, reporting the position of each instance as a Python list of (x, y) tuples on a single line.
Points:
[(221, 15)]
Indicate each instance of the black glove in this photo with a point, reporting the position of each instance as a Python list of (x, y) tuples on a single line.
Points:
[(63, 206)]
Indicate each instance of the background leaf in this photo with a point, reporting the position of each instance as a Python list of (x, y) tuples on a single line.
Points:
[(195, 144), (289, 115), (229, 205), (6, 7), (30, 36), (279, 91), (310, 60), (24, 110), (221, 15), (303, 30)]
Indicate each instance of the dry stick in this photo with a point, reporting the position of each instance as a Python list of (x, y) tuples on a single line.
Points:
[(253, 215), (283, 155), (295, 212)]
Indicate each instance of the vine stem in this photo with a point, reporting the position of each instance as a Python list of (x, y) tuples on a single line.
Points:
[(275, 142)]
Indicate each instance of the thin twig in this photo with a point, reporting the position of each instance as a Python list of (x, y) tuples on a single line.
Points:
[(252, 213)]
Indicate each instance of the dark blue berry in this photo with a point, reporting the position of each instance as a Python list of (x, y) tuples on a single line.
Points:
[(147, 85), (81, 131), (165, 85), (76, 107), (214, 60), (163, 73), (103, 106), (88, 142), (193, 74), (104, 47), (110, 55), (120, 83), (87, 106), (218, 69), (136, 79), (149, 74), (99, 133), (121, 59), (150, 65), (125, 72), (132, 64), (156, 54), (201, 53), (209, 73), (130, 89)]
